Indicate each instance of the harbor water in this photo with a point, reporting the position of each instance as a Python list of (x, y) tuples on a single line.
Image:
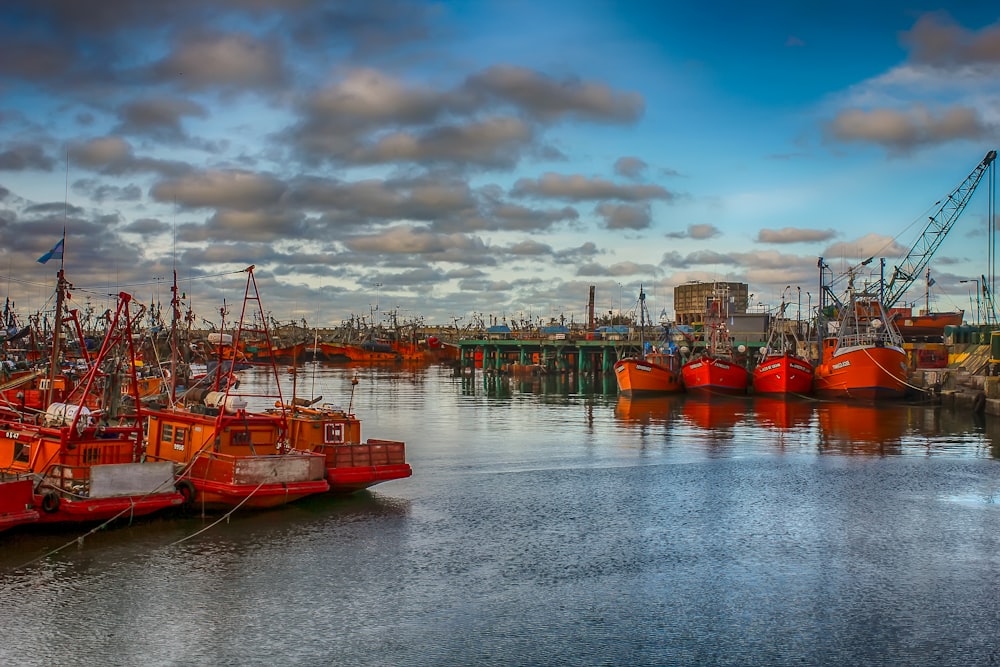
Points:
[(550, 522)]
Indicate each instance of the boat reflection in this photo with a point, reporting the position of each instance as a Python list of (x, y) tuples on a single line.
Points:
[(782, 413), (862, 428), (715, 412), (644, 410)]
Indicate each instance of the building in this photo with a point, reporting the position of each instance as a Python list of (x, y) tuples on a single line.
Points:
[(691, 300)]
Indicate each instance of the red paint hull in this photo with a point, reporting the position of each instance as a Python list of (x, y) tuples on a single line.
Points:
[(865, 373), (711, 375), (783, 374)]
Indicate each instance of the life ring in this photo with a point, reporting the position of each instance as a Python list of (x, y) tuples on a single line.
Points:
[(50, 501), (186, 489)]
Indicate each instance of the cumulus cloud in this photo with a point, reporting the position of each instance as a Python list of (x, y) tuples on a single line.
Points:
[(630, 167), (625, 216), (869, 245), (581, 188), (902, 131), (936, 39), (233, 189), (220, 60), (25, 157), (158, 117), (794, 235), (700, 231)]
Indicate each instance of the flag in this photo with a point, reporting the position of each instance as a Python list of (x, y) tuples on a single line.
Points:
[(55, 253), (931, 282)]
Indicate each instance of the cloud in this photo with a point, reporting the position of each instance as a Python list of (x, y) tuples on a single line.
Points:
[(25, 157), (624, 216), (902, 131), (549, 99), (581, 188), (630, 167), (869, 245), (158, 117), (794, 235), (114, 156), (233, 189), (701, 232), (937, 40), (227, 61)]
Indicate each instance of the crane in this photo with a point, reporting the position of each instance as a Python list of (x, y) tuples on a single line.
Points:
[(938, 226)]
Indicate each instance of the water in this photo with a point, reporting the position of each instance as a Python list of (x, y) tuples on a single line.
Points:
[(552, 523)]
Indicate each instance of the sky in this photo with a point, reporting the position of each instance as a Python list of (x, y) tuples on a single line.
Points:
[(487, 161)]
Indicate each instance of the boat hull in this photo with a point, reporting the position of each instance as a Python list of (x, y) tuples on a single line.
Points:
[(783, 374), (863, 373), (222, 482), (646, 376), (716, 376), (17, 503)]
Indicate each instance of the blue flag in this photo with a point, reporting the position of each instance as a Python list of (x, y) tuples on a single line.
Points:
[(55, 253)]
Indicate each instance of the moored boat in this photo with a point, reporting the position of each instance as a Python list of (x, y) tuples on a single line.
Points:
[(654, 370), (85, 453), (227, 454), (335, 433), (862, 356), (782, 369), (715, 369)]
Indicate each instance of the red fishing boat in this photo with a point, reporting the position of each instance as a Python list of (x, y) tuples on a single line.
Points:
[(227, 454), (862, 356), (653, 370), (86, 453), (714, 368), (782, 369)]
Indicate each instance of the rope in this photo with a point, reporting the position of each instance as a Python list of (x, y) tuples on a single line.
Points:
[(224, 517)]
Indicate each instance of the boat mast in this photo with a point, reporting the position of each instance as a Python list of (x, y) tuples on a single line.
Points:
[(56, 335), (642, 323)]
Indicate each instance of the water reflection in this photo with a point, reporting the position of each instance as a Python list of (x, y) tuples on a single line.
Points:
[(856, 428), (714, 413), (781, 413), (646, 410)]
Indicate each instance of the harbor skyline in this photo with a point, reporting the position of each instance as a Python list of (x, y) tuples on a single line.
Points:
[(461, 160)]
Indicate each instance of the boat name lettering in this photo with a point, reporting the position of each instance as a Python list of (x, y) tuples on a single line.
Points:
[(721, 366), (694, 366), (12, 435), (841, 364), (179, 446), (640, 367), (769, 367), (799, 367)]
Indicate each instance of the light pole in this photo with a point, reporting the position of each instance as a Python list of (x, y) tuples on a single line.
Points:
[(620, 303), (378, 314), (974, 280), (798, 317)]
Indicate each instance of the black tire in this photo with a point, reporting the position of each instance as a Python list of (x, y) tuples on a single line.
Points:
[(50, 502), (186, 489)]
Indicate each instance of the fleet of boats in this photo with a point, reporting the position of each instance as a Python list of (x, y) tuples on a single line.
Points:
[(93, 437)]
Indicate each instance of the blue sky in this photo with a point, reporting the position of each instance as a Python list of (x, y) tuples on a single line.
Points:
[(486, 160)]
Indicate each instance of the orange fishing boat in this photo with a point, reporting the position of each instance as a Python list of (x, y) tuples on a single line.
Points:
[(782, 370), (653, 370), (335, 433), (228, 455), (86, 452), (863, 358), (715, 368)]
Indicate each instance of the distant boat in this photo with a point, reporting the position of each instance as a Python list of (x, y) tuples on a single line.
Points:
[(782, 370), (924, 324), (715, 369), (862, 357), (653, 370)]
